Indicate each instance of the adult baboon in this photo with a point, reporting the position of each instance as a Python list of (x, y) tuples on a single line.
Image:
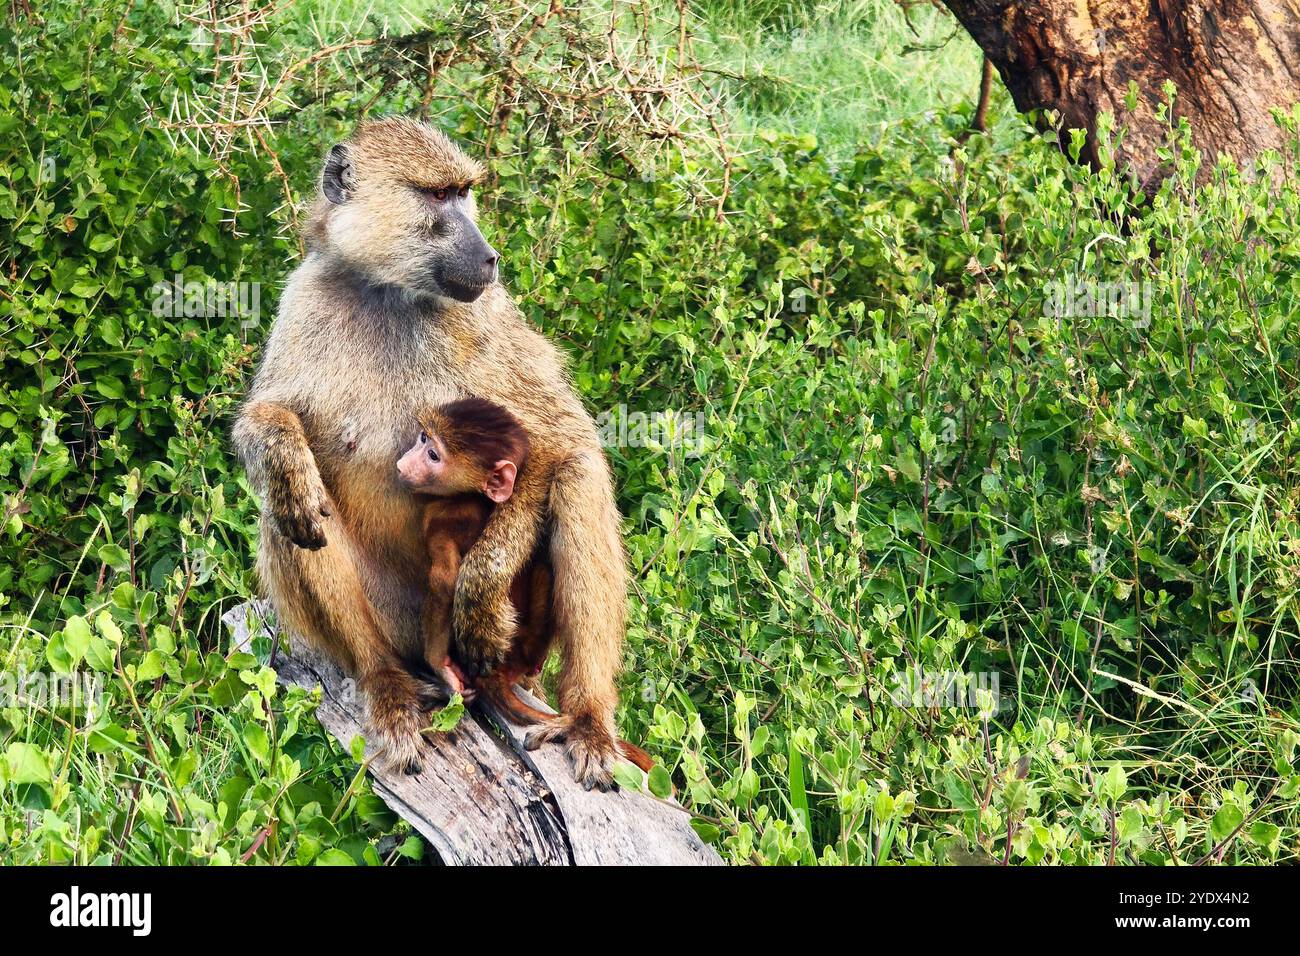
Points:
[(397, 307)]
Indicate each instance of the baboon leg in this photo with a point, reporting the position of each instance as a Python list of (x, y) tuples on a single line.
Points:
[(319, 595), (590, 587)]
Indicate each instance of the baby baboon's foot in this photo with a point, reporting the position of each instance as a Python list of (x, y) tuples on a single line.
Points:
[(591, 747), (455, 679), (395, 718)]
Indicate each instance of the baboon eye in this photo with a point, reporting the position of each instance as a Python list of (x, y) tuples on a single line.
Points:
[(423, 437), (463, 192), (436, 193), (433, 455)]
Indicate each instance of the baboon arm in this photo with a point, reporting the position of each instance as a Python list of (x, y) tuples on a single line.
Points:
[(589, 567), (590, 590), (484, 619), (265, 430), (273, 445)]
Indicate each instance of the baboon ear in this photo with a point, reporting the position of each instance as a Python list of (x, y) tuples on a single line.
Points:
[(500, 482), (339, 178)]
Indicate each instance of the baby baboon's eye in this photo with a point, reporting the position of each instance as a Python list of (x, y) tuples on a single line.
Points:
[(433, 455), (423, 437)]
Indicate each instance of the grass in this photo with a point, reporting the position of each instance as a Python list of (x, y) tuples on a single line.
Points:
[(838, 69)]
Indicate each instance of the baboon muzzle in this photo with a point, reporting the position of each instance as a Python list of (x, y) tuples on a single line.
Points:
[(472, 266)]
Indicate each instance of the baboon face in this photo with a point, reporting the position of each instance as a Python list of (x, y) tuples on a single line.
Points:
[(399, 208)]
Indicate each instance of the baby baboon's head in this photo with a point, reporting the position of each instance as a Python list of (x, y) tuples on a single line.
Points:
[(397, 207)]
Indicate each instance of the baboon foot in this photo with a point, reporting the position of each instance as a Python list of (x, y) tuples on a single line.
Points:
[(396, 717), (592, 749)]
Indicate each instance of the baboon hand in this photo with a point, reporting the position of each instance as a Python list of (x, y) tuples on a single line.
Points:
[(483, 629), (298, 502)]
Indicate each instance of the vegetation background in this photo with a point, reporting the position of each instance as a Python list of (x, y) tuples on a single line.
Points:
[(909, 468)]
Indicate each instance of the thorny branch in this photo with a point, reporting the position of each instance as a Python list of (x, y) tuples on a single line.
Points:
[(590, 79)]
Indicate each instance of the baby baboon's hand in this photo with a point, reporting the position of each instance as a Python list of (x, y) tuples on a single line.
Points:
[(297, 500)]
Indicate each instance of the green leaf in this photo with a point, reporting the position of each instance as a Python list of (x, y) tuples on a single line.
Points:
[(412, 848), (109, 738), (660, 781), (105, 624), (447, 718), (27, 763), (258, 743), (99, 655), (114, 556), (150, 667), (375, 812), (628, 776), (76, 637), (110, 388), (1264, 834), (56, 653), (1114, 784), (1225, 821), (335, 857)]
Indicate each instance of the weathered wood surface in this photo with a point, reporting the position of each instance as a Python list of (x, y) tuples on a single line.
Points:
[(481, 798)]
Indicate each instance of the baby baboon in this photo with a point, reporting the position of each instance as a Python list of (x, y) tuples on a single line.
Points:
[(398, 306), (467, 458)]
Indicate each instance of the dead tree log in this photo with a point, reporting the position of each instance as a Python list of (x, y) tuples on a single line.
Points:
[(1231, 61), (481, 797)]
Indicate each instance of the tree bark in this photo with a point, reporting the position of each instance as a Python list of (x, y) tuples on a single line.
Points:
[(1231, 61), (482, 798)]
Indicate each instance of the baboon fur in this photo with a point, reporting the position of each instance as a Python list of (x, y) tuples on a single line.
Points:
[(358, 345)]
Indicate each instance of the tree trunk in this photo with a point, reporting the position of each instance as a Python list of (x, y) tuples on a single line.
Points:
[(1231, 60)]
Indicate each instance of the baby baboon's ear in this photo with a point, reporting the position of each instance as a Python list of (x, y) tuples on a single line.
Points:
[(339, 178)]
